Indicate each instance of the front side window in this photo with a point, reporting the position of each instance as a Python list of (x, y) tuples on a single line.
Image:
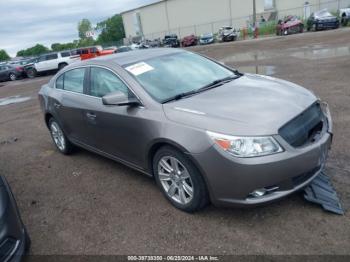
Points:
[(104, 82), (59, 82), (167, 76), (42, 58), (74, 80)]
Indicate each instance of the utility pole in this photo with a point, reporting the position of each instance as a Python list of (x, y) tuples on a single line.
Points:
[(254, 17), (254, 13)]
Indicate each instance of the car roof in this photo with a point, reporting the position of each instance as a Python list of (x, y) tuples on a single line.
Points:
[(134, 56)]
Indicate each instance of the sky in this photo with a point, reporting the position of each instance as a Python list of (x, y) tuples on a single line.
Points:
[(24, 23)]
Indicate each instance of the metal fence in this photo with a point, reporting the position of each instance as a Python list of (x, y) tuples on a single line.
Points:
[(246, 21)]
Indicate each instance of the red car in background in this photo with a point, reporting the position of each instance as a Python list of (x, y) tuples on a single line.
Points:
[(190, 40), (93, 51), (290, 25)]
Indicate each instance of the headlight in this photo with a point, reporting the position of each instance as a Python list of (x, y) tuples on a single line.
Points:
[(246, 146)]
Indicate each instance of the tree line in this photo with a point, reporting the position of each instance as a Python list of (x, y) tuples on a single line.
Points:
[(111, 31)]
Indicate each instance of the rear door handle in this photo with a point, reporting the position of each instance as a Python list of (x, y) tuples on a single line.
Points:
[(91, 115), (57, 105)]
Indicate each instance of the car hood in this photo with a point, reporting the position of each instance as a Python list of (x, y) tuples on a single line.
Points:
[(250, 105)]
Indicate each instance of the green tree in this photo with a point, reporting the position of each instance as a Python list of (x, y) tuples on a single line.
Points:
[(56, 47), (3, 55), (36, 50), (112, 30), (86, 42), (20, 53), (84, 26)]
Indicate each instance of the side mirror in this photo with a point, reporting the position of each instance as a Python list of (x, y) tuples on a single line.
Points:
[(118, 98)]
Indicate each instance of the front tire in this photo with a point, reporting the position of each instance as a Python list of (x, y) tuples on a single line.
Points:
[(344, 21), (31, 73), (179, 180), (59, 138), (301, 29)]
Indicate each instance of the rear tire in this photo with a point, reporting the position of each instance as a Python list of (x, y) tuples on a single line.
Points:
[(61, 66), (179, 180), (12, 77), (59, 138)]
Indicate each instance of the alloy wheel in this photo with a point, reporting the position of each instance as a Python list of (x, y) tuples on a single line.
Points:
[(58, 136), (12, 77), (175, 180)]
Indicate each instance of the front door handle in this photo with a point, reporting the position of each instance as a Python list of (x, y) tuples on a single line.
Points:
[(91, 116)]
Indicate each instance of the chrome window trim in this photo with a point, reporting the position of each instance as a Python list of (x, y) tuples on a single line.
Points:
[(103, 67)]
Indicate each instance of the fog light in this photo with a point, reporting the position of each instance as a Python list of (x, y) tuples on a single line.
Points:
[(259, 192)]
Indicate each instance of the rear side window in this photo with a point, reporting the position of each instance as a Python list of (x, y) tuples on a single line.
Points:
[(65, 54), (104, 82), (59, 82), (84, 52), (51, 57), (74, 80)]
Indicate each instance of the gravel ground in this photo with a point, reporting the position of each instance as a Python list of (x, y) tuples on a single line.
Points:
[(86, 204)]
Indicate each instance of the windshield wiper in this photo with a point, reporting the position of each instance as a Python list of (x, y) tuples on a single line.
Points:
[(180, 96), (211, 85), (218, 82)]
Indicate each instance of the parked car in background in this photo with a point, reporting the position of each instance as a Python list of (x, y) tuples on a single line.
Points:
[(189, 40), (206, 39), (227, 33), (140, 45), (14, 239), (21, 62), (344, 15), (112, 48), (123, 49), (171, 40), (290, 25), (50, 62), (154, 43), (93, 51), (322, 20), (11, 72)]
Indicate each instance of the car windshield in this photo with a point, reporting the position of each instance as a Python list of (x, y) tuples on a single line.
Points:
[(323, 13), (167, 76)]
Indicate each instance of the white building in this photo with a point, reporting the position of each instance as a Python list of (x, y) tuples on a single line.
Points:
[(185, 17)]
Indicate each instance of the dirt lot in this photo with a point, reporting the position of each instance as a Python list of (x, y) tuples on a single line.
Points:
[(86, 204)]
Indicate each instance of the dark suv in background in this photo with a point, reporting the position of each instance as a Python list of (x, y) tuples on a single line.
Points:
[(171, 40)]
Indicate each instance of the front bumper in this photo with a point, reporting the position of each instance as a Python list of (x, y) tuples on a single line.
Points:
[(231, 180), (14, 240), (327, 25), (206, 42)]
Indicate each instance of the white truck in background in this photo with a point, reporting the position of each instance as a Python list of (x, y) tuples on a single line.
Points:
[(51, 62)]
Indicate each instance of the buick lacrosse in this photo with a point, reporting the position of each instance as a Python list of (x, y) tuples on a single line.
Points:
[(204, 131)]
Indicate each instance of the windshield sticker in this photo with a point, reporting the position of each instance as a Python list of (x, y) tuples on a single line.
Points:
[(139, 68)]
